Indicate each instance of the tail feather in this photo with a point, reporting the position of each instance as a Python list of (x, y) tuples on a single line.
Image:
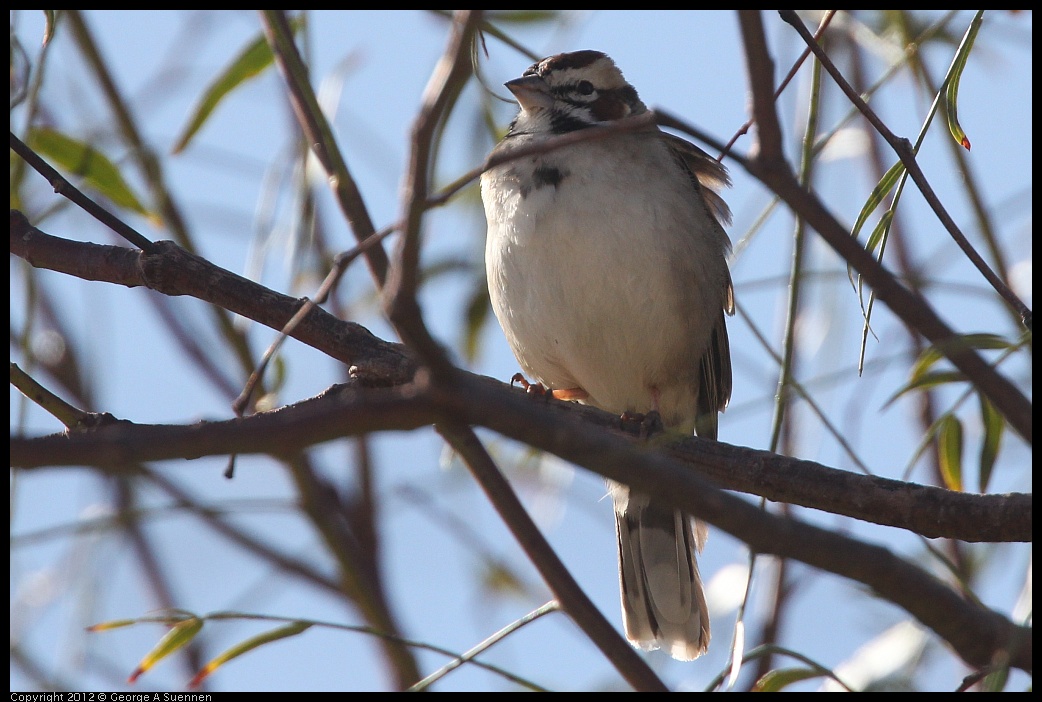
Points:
[(663, 604)]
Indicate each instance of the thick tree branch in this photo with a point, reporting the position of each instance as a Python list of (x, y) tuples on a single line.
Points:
[(929, 511), (353, 410), (173, 271), (974, 631)]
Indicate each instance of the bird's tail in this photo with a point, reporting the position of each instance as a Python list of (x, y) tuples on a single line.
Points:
[(663, 605)]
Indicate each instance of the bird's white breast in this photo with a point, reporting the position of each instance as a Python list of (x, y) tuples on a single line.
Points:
[(598, 284)]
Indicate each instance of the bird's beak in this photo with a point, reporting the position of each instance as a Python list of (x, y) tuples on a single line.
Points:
[(531, 92)]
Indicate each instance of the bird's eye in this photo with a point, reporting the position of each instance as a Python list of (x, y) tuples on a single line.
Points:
[(585, 87)]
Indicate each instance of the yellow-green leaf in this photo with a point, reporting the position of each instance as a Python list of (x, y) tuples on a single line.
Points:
[(925, 381), (179, 636), (935, 352), (499, 578), (951, 94), (113, 624), (777, 680), (75, 156), (996, 680), (248, 645), (993, 425), (885, 185), (880, 231), (250, 62), (949, 451)]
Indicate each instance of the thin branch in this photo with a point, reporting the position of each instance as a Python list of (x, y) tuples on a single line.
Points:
[(485, 645), (449, 76), (572, 598), (760, 69), (359, 571), (769, 166), (340, 264), (151, 167), (173, 271), (66, 189), (903, 148), (283, 562), (826, 20), (320, 136)]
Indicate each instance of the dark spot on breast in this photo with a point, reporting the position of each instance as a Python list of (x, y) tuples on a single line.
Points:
[(547, 176)]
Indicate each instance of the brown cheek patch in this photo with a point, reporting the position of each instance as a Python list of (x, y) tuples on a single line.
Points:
[(609, 106)]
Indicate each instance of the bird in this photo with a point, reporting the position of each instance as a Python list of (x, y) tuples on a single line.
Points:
[(606, 261)]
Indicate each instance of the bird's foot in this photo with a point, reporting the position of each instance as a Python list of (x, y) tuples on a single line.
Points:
[(568, 394), (647, 424)]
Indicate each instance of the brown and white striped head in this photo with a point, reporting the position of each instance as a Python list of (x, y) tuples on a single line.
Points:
[(572, 91)]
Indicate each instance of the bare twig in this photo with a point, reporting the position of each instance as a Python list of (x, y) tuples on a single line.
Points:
[(340, 265), (572, 598), (744, 129), (769, 166), (66, 189), (449, 77), (320, 136), (903, 148)]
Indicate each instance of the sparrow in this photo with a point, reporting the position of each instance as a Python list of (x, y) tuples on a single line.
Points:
[(606, 265)]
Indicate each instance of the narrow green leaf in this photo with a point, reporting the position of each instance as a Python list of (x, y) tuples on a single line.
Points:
[(75, 156), (951, 95), (282, 632), (880, 231), (936, 352), (949, 451), (994, 426), (875, 198), (884, 186), (248, 64), (178, 637), (112, 624), (927, 380), (777, 680)]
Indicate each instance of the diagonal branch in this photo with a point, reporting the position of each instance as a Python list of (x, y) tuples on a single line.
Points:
[(768, 164), (903, 148), (974, 631), (446, 83), (929, 511), (320, 136), (571, 597)]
